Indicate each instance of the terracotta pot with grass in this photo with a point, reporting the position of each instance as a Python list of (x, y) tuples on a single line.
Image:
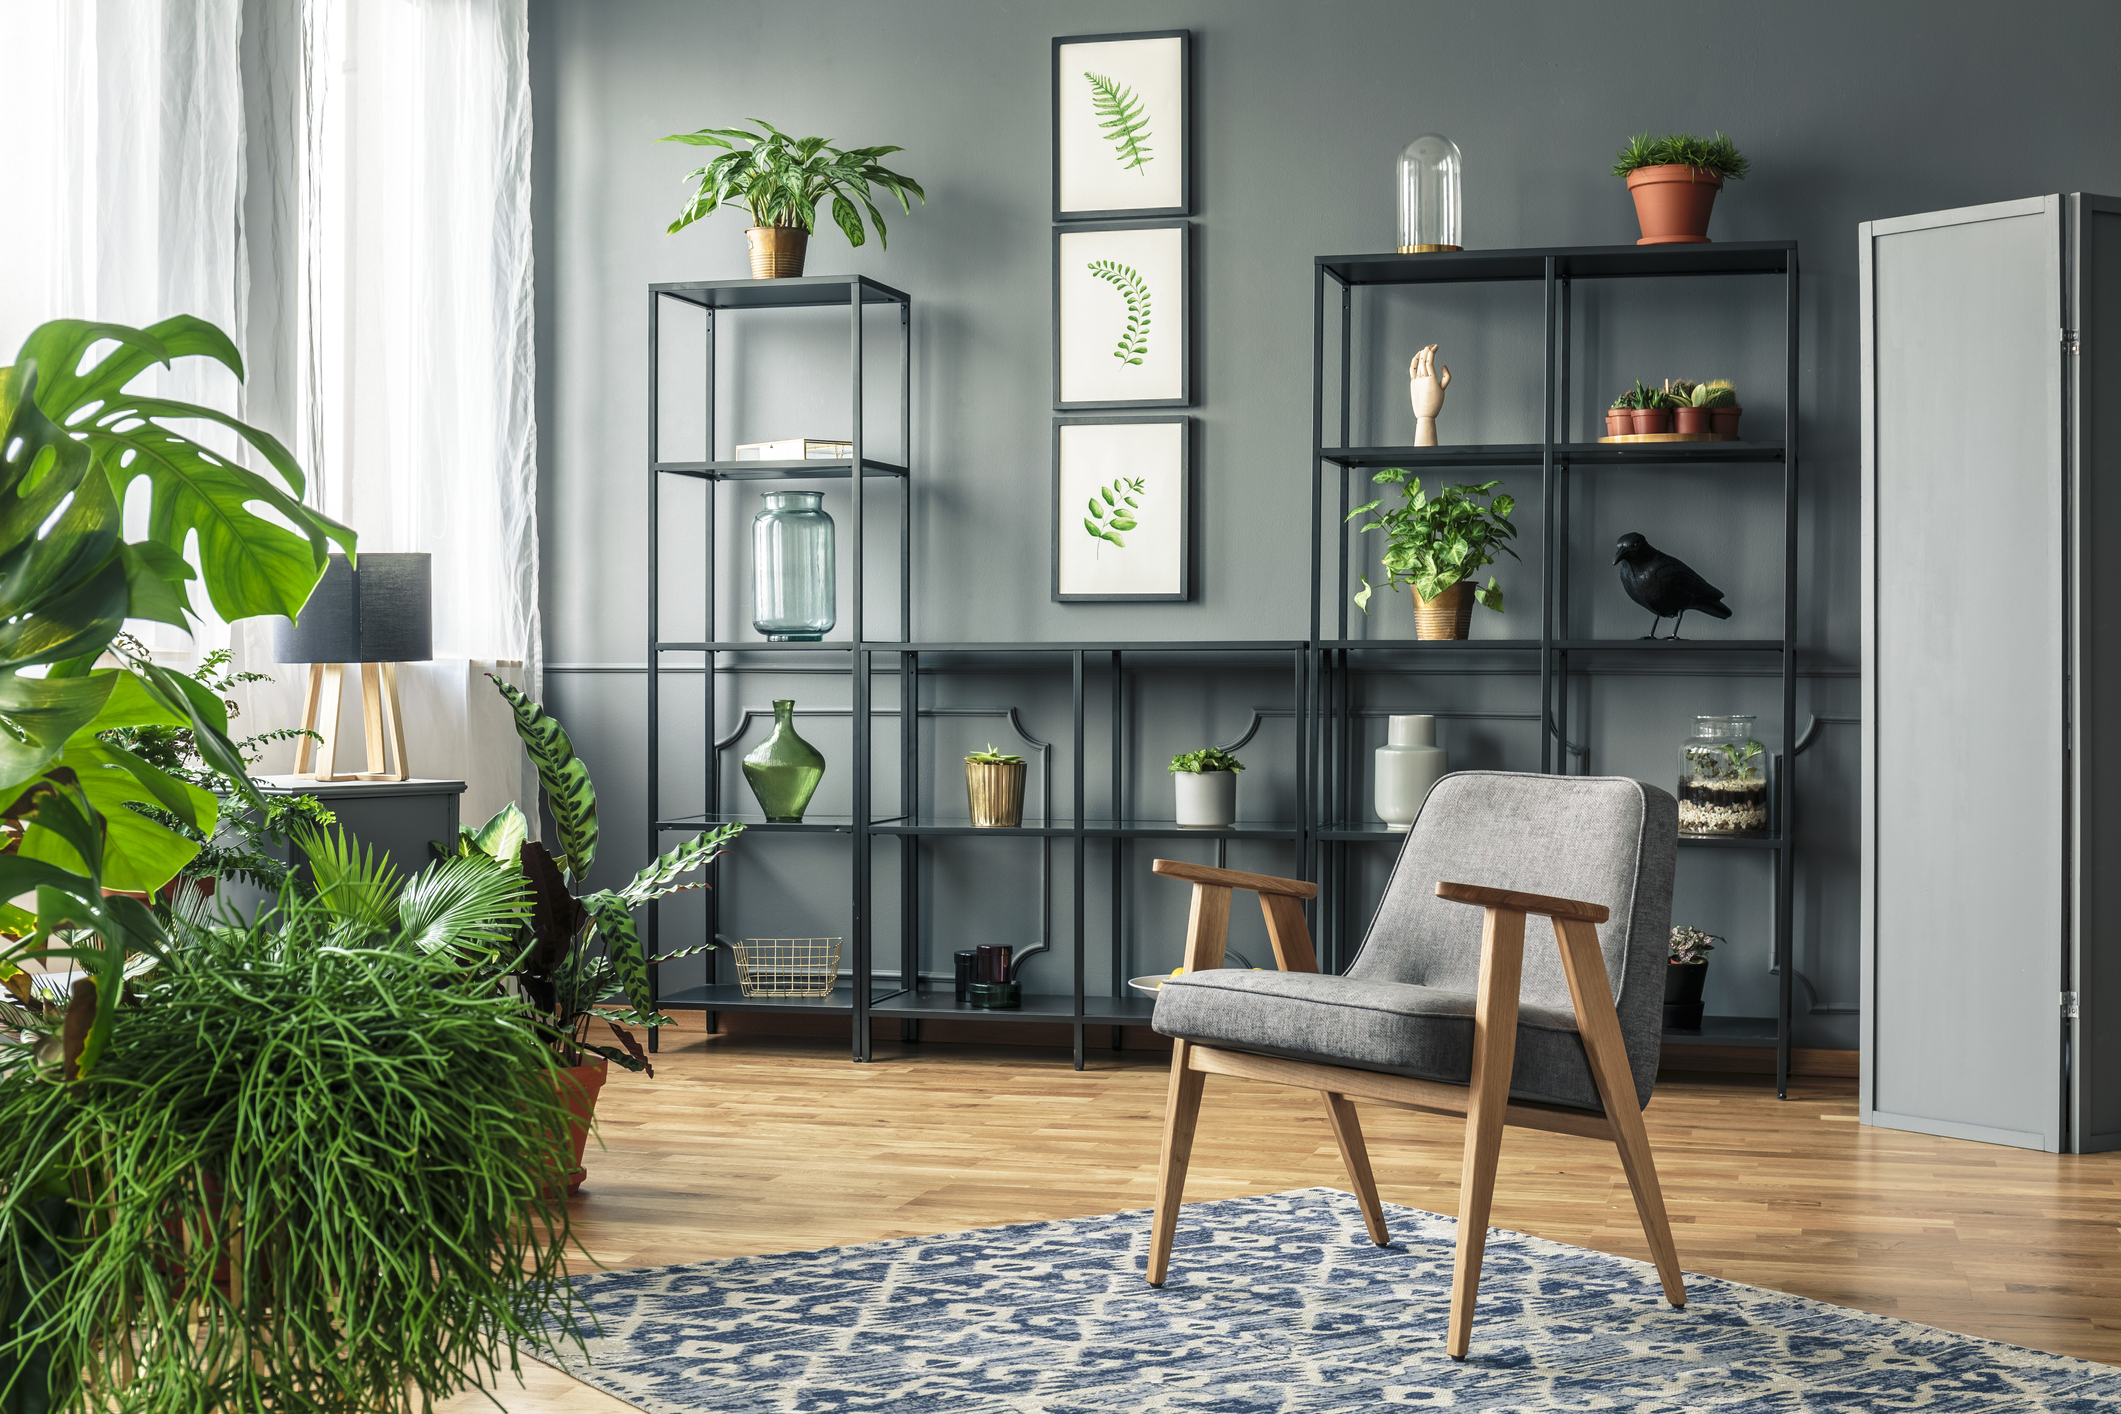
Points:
[(1674, 181)]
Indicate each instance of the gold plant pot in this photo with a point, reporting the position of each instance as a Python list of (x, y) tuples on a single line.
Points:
[(1448, 615), (777, 251), (996, 789)]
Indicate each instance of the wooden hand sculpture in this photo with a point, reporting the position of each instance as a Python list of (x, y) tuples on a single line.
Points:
[(1426, 380)]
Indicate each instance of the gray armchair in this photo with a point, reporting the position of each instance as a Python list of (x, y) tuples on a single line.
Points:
[(1443, 1010)]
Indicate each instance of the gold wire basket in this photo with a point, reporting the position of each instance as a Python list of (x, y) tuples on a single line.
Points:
[(787, 967)]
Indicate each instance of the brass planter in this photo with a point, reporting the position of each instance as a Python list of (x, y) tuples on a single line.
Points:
[(1448, 615), (777, 251), (996, 790)]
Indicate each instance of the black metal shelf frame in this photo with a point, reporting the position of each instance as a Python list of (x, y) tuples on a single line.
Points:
[(857, 294), (1335, 741)]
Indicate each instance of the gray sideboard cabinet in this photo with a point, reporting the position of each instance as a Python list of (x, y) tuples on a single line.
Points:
[(1991, 792)]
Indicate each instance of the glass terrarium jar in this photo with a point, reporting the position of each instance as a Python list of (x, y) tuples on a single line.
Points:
[(793, 582), (1723, 779), (1431, 213)]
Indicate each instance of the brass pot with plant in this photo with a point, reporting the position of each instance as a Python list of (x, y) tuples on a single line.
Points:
[(994, 789), (780, 180), (1438, 545), (1674, 180)]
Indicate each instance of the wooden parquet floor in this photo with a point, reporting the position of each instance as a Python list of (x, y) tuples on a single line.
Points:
[(752, 1145)]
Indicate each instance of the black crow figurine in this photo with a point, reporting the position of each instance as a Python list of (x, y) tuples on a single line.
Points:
[(1663, 585)]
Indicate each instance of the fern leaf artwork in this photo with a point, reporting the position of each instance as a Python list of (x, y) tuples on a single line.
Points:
[(1134, 341), (1114, 510), (1125, 119)]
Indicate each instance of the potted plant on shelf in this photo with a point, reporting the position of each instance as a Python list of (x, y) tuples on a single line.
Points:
[(1436, 546), (1720, 401), (1674, 180), (1619, 418), (1686, 971), (1206, 782), (994, 787), (780, 180), (578, 960), (1652, 413)]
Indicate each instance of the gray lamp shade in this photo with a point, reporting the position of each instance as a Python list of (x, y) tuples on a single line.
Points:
[(377, 614)]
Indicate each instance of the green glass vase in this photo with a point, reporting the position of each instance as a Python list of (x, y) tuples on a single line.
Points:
[(784, 769)]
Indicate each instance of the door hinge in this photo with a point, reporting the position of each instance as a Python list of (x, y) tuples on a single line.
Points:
[(2069, 1005), (2070, 342)]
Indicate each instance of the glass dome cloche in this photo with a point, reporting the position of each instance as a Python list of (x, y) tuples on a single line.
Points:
[(1431, 205)]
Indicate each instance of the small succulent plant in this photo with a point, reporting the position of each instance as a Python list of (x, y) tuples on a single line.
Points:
[(1716, 393), (991, 757)]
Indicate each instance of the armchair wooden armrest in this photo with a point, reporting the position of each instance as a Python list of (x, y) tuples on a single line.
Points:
[(1481, 896), (1208, 929)]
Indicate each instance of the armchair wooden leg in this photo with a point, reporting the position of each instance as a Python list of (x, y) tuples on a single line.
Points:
[(1494, 1053), (1584, 966), (1181, 1114), (1347, 1132)]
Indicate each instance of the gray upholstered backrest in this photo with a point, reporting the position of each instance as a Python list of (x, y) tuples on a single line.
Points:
[(1602, 839)]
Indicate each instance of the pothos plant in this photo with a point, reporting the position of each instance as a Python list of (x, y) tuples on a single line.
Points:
[(579, 960), (781, 179), (1432, 543)]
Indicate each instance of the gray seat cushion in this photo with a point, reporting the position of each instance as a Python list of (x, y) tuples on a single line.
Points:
[(1394, 1027), (1405, 1005)]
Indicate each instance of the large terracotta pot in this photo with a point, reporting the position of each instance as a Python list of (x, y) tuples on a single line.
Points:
[(578, 1086), (1448, 615), (777, 251), (1672, 203)]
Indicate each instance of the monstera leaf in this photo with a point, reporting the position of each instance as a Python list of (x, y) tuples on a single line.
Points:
[(252, 565)]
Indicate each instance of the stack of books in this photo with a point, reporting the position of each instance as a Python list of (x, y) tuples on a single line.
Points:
[(795, 449)]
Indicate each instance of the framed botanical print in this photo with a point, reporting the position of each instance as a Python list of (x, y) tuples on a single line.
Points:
[(1122, 111), (1122, 509), (1121, 317)]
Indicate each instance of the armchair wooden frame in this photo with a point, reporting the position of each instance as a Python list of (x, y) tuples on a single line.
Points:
[(1485, 1102)]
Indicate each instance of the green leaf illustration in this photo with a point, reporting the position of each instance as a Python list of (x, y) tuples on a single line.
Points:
[(1122, 490), (1125, 121), (1134, 342)]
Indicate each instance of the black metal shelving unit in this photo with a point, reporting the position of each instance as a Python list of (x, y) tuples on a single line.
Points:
[(857, 294), (1341, 663)]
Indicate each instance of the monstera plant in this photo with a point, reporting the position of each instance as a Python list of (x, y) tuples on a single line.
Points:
[(580, 962), (76, 441)]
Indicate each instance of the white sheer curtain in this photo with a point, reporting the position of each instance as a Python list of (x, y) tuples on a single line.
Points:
[(411, 343), (360, 171)]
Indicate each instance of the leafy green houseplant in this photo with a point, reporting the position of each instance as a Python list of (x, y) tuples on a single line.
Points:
[(1434, 545), (578, 960), (1205, 787), (1674, 180), (313, 1169), (1686, 973), (780, 180)]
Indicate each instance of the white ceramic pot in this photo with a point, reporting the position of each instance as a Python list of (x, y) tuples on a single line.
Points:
[(1408, 764), (1207, 800)]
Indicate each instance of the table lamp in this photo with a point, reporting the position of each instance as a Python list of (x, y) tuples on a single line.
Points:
[(377, 616)]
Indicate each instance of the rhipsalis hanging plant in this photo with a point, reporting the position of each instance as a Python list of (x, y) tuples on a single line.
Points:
[(1433, 543), (1134, 340), (1114, 509), (1125, 119)]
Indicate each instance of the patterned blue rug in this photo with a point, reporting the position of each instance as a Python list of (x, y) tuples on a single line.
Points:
[(1274, 1303)]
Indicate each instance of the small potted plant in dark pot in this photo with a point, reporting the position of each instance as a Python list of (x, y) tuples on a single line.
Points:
[(1206, 783), (1674, 181), (1684, 974)]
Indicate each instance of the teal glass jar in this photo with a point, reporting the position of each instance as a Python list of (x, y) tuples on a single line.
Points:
[(783, 770), (793, 579)]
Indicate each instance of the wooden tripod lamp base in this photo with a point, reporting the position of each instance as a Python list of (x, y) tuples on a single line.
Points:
[(382, 724)]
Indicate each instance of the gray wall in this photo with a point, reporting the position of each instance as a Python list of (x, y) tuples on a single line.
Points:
[(1848, 112)]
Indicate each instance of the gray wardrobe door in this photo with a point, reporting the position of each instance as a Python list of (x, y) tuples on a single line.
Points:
[(1963, 762)]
